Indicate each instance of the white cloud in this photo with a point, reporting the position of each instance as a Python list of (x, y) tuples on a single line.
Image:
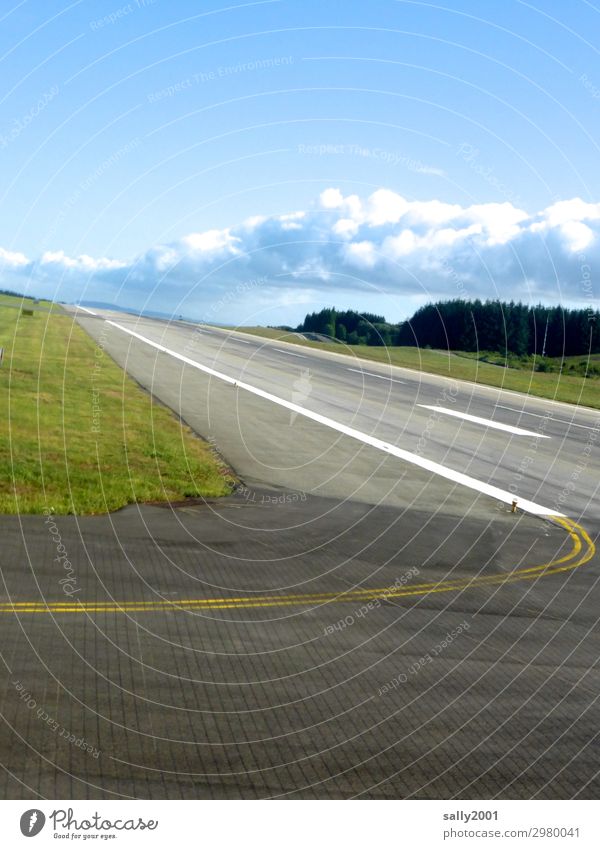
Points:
[(254, 221), (567, 216), (363, 253), (578, 235), (81, 263), (433, 212), (565, 211), (406, 242), (12, 259), (447, 236), (380, 243), (292, 220), (499, 221), (211, 241), (166, 258), (331, 199), (345, 227), (385, 207)]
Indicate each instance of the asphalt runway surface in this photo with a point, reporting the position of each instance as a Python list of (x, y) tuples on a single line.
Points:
[(348, 624)]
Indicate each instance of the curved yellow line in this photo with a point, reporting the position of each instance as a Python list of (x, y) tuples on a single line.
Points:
[(568, 562)]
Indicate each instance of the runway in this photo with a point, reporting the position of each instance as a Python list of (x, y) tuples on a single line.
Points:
[(356, 621), (534, 450)]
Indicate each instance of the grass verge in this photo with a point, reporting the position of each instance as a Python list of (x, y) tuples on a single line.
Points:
[(556, 384), (77, 435)]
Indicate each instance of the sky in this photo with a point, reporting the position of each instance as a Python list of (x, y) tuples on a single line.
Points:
[(250, 162)]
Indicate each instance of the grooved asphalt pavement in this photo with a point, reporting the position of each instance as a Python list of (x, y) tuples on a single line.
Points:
[(312, 636)]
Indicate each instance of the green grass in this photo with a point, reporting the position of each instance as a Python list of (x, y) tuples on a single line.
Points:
[(580, 365), (522, 375), (55, 455)]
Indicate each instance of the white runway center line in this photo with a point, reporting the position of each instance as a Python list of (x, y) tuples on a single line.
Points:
[(380, 376), (429, 465), (518, 431), (291, 353)]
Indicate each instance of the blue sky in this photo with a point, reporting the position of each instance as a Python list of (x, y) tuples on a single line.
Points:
[(254, 161)]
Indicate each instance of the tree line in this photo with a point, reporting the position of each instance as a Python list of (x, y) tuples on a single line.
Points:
[(17, 294), (469, 326)]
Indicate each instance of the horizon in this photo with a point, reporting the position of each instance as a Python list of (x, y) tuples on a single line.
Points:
[(171, 316)]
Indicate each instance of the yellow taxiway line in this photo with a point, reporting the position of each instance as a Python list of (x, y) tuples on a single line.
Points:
[(583, 549)]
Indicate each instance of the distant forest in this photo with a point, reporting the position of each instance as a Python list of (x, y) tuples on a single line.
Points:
[(469, 326), (17, 294)]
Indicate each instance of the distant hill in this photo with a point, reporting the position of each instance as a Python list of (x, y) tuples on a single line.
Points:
[(103, 305), (166, 316)]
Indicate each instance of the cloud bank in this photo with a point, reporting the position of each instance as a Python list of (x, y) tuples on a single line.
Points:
[(345, 245)]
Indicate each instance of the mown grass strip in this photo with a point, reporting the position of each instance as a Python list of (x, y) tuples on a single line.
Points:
[(569, 388), (77, 435)]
